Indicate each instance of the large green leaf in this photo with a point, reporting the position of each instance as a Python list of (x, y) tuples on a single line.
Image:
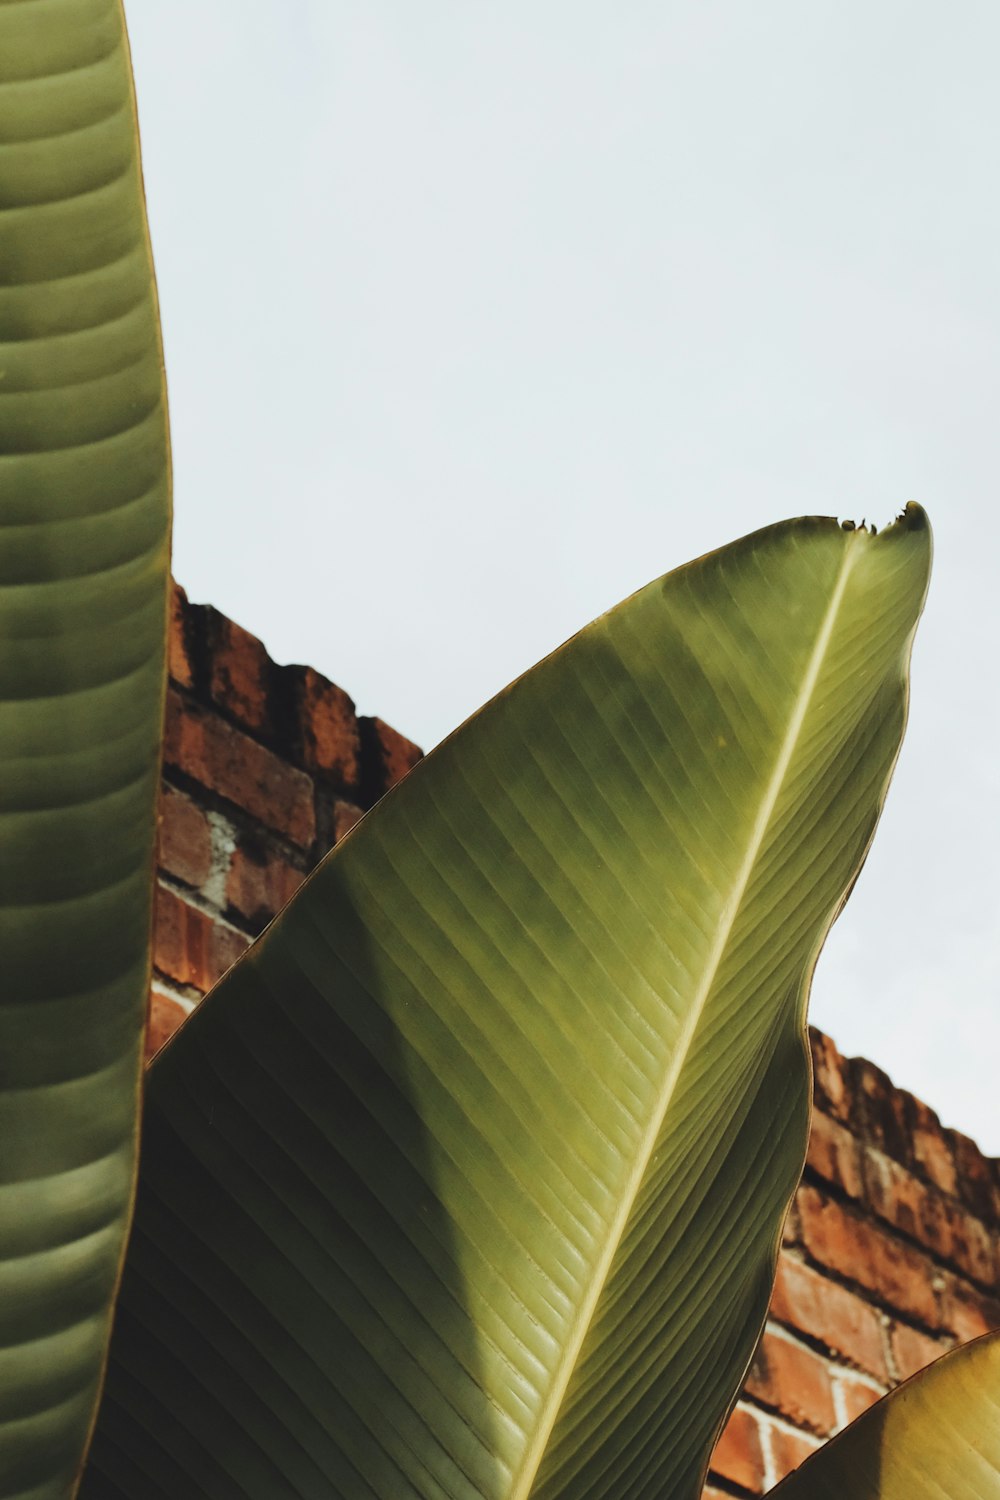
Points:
[(935, 1438), (83, 571), (467, 1180)]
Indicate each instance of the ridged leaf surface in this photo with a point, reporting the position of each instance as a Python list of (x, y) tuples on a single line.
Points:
[(467, 1180), (83, 570), (935, 1438)]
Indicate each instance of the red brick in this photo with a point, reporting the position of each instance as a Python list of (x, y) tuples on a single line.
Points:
[(831, 1090), (188, 947), (239, 673), (793, 1381), (912, 1350), (185, 847), (932, 1153), (259, 884), (165, 1015), (859, 1251), (345, 815), (826, 1311), (331, 739), (835, 1154), (926, 1214), (738, 1456), (789, 1449), (857, 1397), (968, 1312), (395, 754), (179, 664), (222, 758)]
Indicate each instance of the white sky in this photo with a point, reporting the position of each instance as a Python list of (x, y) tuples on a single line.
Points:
[(479, 316)]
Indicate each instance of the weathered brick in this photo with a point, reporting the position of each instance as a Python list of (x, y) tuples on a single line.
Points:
[(835, 1154), (794, 1381), (912, 1350), (975, 1175), (926, 1214), (188, 946), (328, 724), (932, 1152), (259, 883), (185, 843), (239, 672), (387, 756), (859, 1251), (165, 1015), (345, 815), (789, 1449), (826, 1311), (738, 1456), (831, 1089), (209, 750), (179, 663), (881, 1110), (967, 1311)]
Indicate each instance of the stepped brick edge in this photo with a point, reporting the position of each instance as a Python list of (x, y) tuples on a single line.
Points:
[(891, 1251)]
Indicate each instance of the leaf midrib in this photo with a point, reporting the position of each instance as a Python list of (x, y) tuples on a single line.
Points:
[(531, 1463)]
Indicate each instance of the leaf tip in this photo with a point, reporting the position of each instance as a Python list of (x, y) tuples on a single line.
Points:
[(913, 517)]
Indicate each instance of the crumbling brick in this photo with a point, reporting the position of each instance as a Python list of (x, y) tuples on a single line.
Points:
[(239, 673), (328, 725), (387, 756)]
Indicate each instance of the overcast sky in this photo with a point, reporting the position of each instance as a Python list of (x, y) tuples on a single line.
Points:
[(479, 316)]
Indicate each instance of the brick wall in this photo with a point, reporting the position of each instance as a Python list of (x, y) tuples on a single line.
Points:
[(892, 1248), (264, 768), (891, 1256)]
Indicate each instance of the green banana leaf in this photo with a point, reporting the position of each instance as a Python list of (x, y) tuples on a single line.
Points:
[(467, 1180), (937, 1437), (84, 518)]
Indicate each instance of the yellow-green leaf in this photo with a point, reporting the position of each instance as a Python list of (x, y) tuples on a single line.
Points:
[(467, 1180), (84, 518)]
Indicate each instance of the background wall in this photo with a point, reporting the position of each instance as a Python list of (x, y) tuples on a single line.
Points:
[(892, 1249)]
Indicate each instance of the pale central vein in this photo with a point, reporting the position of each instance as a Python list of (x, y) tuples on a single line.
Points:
[(727, 920)]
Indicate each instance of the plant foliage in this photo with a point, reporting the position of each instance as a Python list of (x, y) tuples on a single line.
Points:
[(467, 1181)]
